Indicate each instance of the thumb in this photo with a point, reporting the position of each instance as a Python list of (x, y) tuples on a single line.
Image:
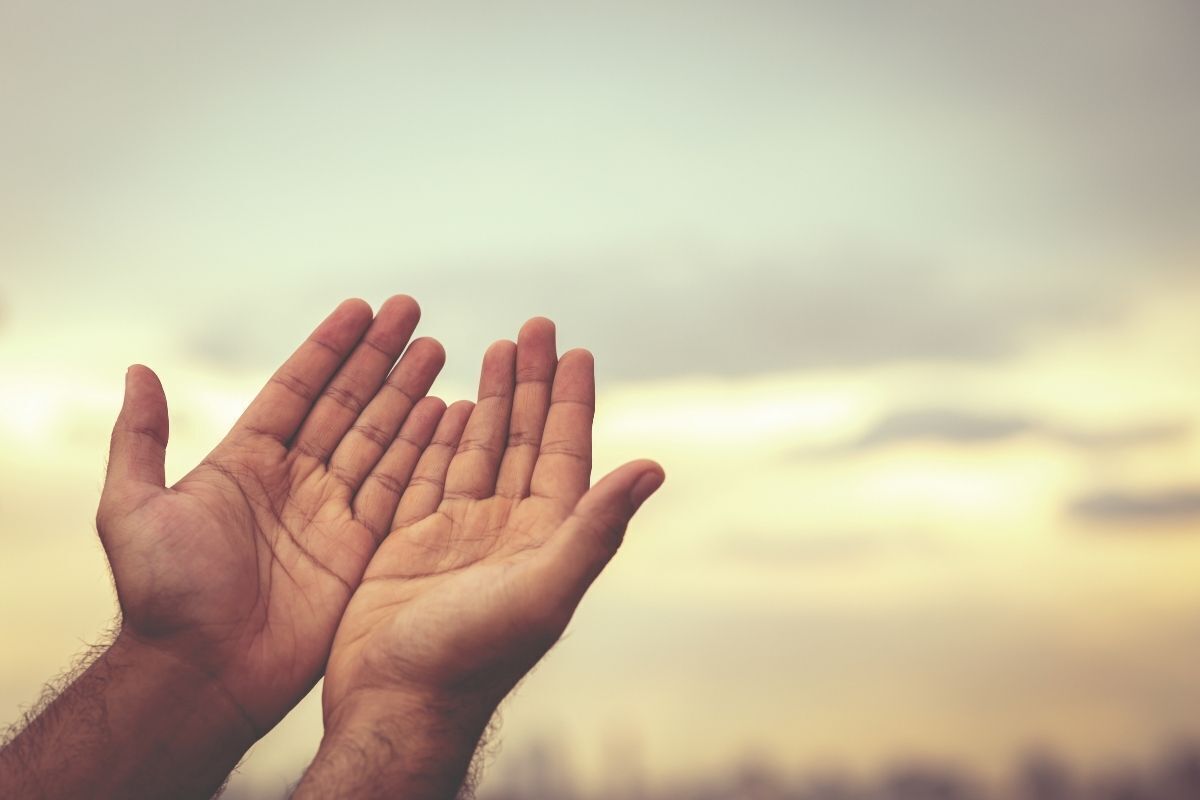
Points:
[(139, 439), (589, 538)]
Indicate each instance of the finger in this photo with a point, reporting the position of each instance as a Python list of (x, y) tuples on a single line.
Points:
[(427, 484), (138, 452), (536, 361), (374, 431), (283, 403), (472, 473), (376, 502), (590, 536), (564, 462), (347, 395)]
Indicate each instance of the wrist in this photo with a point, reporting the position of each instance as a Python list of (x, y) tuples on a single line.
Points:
[(137, 722), (379, 742), (422, 725), (389, 707), (190, 688)]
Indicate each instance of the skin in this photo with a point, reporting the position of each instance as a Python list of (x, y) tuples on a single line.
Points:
[(232, 582), (492, 547), (446, 548), (244, 567)]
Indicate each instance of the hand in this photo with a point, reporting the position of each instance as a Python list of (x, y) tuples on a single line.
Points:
[(242, 569), (492, 546)]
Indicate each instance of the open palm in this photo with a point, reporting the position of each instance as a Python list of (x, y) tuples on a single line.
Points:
[(243, 568), (495, 539)]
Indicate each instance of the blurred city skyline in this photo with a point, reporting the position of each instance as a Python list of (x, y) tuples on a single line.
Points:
[(543, 769)]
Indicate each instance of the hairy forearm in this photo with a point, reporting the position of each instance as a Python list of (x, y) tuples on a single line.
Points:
[(135, 723), (384, 745)]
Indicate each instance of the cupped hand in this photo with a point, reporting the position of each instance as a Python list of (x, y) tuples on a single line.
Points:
[(495, 540), (243, 568)]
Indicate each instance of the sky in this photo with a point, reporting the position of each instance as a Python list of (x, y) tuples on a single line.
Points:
[(902, 297)]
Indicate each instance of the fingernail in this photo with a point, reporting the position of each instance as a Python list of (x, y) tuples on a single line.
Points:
[(646, 485)]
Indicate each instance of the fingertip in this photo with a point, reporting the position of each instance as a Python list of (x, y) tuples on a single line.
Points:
[(354, 307), (402, 304), (454, 421), (575, 378), (580, 355), (464, 407), (426, 416), (433, 349), (645, 465), (347, 322), (536, 328), (431, 404), (497, 373), (500, 348), (647, 483), (138, 374), (142, 424)]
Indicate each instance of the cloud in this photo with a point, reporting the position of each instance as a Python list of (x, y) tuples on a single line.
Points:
[(941, 425), (1152, 433), (804, 549), (969, 134), (975, 133), (965, 428), (1118, 507), (661, 315), (651, 315)]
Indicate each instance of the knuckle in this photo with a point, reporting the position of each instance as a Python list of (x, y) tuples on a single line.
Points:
[(293, 385), (373, 433), (567, 449), (390, 483), (532, 374), (477, 445), (344, 398), (523, 439)]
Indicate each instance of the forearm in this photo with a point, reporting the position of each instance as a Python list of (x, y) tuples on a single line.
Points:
[(136, 723), (384, 745)]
